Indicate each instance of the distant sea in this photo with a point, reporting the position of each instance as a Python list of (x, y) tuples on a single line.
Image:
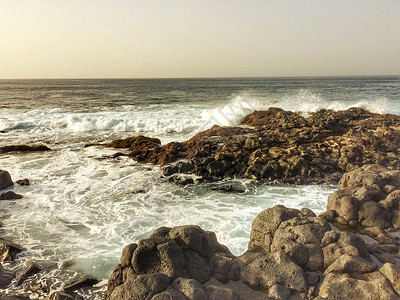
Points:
[(82, 208)]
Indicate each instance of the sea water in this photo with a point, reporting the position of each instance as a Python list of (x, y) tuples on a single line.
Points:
[(83, 207)]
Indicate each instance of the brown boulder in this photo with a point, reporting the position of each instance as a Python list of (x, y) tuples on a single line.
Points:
[(5, 180), (24, 148), (365, 286), (5, 277), (263, 270), (10, 195), (8, 251)]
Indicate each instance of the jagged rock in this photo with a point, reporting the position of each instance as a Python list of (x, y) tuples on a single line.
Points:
[(392, 273), (367, 197), (14, 296), (334, 244), (8, 251), (169, 294), (351, 264), (191, 288), (83, 281), (23, 181), (5, 180), (32, 269), (126, 256), (24, 148), (10, 195), (283, 146), (217, 293), (279, 292), (60, 296), (5, 277), (308, 240), (179, 252)]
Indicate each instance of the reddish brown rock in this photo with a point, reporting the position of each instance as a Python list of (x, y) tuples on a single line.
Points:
[(24, 148), (5, 180)]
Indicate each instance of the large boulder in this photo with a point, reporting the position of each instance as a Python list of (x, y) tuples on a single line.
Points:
[(5, 180), (368, 196), (8, 251), (5, 277), (307, 239), (24, 148), (365, 286), (169, 254)]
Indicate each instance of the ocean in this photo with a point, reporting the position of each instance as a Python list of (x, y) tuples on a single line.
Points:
[(82, 207)]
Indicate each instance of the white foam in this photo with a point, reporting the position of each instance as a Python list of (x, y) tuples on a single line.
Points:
[(86, 209)]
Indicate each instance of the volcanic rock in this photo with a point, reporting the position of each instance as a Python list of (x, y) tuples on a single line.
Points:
[(5, 277), (8, 251), (24, 148), (10, 195), (5, 180)]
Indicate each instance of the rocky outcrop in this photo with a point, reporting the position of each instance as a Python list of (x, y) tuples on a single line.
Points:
[(23, 182), (10, 195), (280, 145), (31, 269), (166, 260), (292, 254), (8, 251), (5, 277), (367, 197), (23, 148), (5, 180)]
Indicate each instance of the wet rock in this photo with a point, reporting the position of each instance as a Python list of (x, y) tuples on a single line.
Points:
[(60, 296), (181, 180), (14, 296), (10, 195), (138, 141), (81, 282), (24, 148), (23, 181), (5, 277), (32, 269), (8, 251), (283, 146), (5, 180)]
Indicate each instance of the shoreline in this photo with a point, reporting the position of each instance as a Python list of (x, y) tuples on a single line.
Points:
[(205, 156)]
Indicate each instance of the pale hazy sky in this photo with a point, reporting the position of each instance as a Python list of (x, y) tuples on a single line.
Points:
[(185, 38)]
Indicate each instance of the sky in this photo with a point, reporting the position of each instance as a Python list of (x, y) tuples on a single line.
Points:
[(185, 38)]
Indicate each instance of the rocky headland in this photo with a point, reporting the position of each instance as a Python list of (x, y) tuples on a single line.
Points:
[(350, 251)]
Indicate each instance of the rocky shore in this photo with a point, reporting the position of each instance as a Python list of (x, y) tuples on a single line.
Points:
[(350, 251), (279, 145), (292, 254)]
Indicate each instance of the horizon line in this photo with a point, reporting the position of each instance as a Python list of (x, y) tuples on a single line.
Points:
[(191, 78)]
